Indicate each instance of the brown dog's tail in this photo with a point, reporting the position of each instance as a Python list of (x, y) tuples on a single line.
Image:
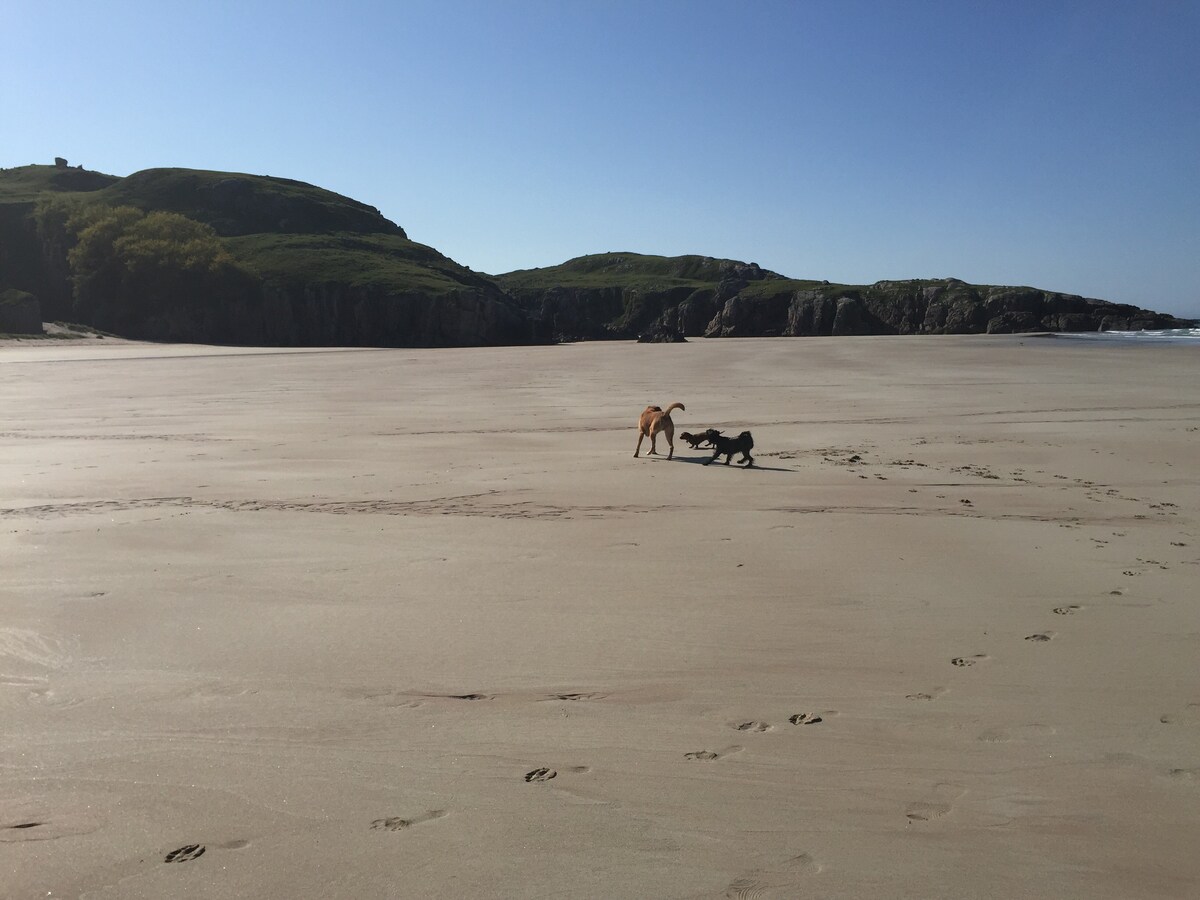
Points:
[(674, 406)]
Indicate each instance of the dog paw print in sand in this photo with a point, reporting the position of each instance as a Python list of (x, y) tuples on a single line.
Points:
[(708, 755), (939, 804), (396, 823), (782, 879), (388, 699), (753, 727), (964, 662), (1066, 610), (540, 774), (806, 719), (1040, 637), (186, 853), (926, 695)]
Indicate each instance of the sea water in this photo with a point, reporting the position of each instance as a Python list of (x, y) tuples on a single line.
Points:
[(1166, 335)]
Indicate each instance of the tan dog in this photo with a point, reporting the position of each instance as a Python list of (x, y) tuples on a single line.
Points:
[(655, 421)]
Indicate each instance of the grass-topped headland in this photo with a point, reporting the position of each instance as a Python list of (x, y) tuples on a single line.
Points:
[(185, 254), (237, 204), (198, 255), (632, 271)]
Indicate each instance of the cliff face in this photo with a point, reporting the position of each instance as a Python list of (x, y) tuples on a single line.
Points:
[(622, 295), (627, 295), (29, 264), (305, 266), (19, 312), (946, 306), (312, 267), (340, 315)]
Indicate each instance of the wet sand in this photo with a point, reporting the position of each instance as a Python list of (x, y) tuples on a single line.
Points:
[(406, 623)]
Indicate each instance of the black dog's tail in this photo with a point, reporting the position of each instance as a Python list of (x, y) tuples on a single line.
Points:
[(748, 439)]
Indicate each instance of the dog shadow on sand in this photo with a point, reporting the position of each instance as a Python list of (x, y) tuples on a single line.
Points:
[(701, 460)]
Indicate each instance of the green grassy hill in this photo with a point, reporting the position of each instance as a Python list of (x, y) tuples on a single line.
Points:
[(236, 204), (28, 184), (293, 241), (388, 262), (630, 271)]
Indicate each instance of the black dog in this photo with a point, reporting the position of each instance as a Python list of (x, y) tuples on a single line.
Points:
[(697, 439), (726, 446)]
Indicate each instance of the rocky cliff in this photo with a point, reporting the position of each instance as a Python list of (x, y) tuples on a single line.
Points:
[(945, 306), (298, 265), (626, 295), (20, 312), (191, 255), (623, 295)]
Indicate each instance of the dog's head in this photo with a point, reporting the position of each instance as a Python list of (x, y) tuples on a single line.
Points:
[(712, 433)]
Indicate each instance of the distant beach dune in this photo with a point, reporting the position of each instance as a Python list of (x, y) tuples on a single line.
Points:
[(409, 623)]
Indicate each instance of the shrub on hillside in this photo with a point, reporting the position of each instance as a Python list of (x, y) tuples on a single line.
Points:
[(156, 275)]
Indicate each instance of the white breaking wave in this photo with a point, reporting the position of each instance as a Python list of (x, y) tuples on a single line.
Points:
[(1171, 335)]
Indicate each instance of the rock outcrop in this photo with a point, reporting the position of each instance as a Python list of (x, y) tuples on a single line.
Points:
[(625, 295), (20, 312), (662, 334), (945, 306)]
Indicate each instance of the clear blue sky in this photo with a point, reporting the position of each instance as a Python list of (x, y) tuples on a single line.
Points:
[(1055, 144)]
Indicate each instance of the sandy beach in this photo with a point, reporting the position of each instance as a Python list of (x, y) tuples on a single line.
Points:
[(415, 623)]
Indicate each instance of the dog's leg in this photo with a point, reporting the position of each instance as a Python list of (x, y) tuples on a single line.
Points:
[(637, 449), (713, 459), (748, 459), (669, 431)]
